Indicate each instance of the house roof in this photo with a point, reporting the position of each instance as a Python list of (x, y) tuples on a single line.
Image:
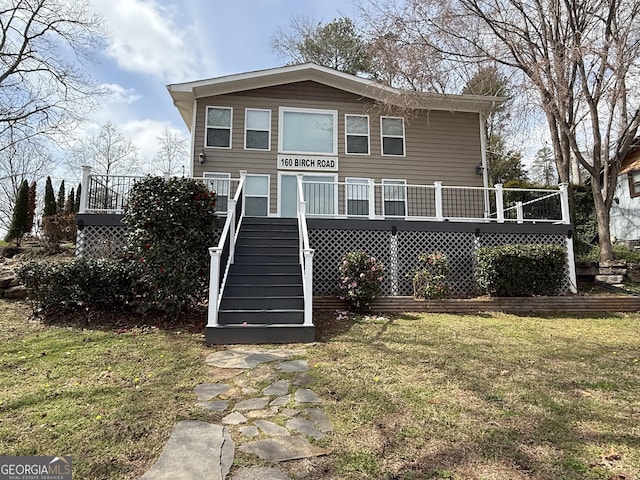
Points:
[(185, 94), (631, 161)]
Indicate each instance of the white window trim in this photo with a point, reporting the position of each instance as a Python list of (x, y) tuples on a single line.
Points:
[(398, 182), (346, 134), (334, 113), (354, 181), (206, 127), (246, 116), (403, 137), (267, 195), (310, 174)]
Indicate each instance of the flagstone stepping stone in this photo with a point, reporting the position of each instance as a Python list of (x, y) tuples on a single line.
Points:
[(289, 412), (195, 449), (249, 391), (207, 391), (250, 431), (263, 374), (216, 405), (260, 473), (252, 404), (221, 374), (300, 379), (320, 419), (231, 393), (249, 357), (266, 413), (235, 418), (281, 449), (271, 429), (304, 395), (294, 366), (278, 402), (279, 388), (304, 427)]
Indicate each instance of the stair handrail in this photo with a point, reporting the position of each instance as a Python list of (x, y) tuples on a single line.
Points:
[(306, 255), (226, 247)]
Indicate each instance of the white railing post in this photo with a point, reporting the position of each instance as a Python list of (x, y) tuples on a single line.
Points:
[(214, 279), (84, 194), (499, 203), (243, 174), (438, 192), (372, 199), (519, 214), (564, 203), (308, 291), (231, 212)]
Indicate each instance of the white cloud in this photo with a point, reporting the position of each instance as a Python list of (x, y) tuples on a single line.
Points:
[(145, 38)]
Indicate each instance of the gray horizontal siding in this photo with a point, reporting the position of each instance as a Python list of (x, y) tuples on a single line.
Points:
[(439, 145)]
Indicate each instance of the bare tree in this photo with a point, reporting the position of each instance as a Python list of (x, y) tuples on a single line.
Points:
[(580, 56), (108, 153), (173, 155), (43, 47)]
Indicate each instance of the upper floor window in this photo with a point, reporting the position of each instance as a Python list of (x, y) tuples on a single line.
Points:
[(634, 183), (392, 130), (357, 133), (219, 127), (308, 131), (257, 129)]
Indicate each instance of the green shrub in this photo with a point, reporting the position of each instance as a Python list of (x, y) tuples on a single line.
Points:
[(361, 278), (520, 270), (430, 277), (58, 228), (103, 283), (170, 224)]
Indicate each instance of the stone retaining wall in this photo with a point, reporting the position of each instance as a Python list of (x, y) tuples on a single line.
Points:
[(10, 287), (613, 273)]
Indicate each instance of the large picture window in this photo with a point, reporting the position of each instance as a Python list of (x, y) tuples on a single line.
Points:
[(308, 131), (392, 129), (257, 129), (219, 127), (357, 133)]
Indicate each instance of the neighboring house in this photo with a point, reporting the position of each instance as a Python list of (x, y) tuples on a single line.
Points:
[(309, 164), (625, 210)]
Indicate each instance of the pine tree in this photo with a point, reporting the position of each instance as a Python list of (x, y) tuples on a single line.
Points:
[(76, 206), (20, 214), (31, 211), (69, 205), (50, 207), (62, 198)]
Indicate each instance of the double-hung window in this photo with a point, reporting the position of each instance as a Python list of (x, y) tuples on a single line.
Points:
[(357, 134), (357, 196), (395, 197), (218, 132), (257, 129), (308, 131), (392, 131), (634, 183)]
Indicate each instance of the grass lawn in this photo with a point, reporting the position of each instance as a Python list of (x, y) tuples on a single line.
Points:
[(417, 396), (483, 397)]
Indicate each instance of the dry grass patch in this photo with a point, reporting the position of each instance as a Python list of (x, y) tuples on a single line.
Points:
[(491, 396)]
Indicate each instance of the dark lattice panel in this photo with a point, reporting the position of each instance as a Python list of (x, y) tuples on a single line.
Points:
[(331, 245), (400, 255), (96, 241), (457, 247)]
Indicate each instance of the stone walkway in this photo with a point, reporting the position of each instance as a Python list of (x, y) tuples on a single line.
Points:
[(272, 424)]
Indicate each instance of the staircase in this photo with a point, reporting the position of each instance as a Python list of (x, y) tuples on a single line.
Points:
[(263, 301)]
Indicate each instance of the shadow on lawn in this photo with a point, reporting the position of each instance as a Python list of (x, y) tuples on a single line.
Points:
[(192, 321)]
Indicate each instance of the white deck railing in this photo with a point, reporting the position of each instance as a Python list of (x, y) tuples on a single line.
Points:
[(437, 202), (306, 256)]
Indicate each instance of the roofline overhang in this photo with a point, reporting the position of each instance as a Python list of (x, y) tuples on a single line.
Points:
[(184, 95)]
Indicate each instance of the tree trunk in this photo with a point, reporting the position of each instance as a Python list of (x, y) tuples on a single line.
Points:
[(602, 216)]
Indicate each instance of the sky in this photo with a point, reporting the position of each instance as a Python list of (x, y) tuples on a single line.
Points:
[(153, 43)]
